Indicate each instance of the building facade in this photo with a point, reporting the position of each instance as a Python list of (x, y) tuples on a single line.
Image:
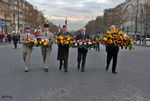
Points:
[(18, 13)]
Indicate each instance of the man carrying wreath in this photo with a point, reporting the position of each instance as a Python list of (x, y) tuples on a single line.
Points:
[(26, 49), (46, 50), (112, 53), (63, 50), (82, 52)]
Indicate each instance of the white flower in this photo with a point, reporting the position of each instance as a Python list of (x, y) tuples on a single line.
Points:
[(80, 43), (35, 39), (90, 43), (42, 40), (76, 44)]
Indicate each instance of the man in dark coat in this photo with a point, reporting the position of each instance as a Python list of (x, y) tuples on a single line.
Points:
[(82, 52), (9, 38), (112, 53), (63, 51), (98, 46), (15, 40), (1, 38)]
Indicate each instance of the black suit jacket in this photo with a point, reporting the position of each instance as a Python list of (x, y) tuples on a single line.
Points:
[(79, 37)]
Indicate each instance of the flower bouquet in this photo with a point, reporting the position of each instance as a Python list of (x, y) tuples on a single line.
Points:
[(64, 40), (29, 42), (128, 42), (116, 38), (35, 41), (44, 42), (86, 43)]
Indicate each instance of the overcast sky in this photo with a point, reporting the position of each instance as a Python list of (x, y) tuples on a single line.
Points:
[(78, 11)]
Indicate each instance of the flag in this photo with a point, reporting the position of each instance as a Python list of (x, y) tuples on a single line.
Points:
[(59, 29), (66, 21), (35, 32)]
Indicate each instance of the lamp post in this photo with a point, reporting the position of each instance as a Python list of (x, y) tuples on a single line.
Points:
[(136, 19), (18, 16), (127, 29)]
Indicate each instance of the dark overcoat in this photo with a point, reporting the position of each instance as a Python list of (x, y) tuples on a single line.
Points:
[(63, 50)]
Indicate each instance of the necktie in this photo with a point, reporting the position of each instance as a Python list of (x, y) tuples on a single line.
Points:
[(83, 36)]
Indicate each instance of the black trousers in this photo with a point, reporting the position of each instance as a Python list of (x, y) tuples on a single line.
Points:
[(65, 63), (98, 47), (15, 45), (112, 55), (82, 54)]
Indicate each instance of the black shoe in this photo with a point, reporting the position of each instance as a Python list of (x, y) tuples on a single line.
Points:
[(82, 70), (26, 71), (66, 71), (107, 68), (46, 70), (114, 72), (78, 67), (60, 67)]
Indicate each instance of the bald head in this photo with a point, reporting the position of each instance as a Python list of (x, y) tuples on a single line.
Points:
[(113, 27), (83, 30)]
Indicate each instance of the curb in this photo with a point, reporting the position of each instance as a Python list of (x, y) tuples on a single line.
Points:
[(143, 45)]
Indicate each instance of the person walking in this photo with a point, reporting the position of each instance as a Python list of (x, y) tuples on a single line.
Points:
[(82, 52), (15, 40), (46, 51), (26, 50), (63, 51)]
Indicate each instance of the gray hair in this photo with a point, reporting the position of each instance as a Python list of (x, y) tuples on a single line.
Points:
[(83, 28)]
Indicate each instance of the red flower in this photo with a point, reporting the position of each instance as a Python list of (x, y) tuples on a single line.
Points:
[(92, 40), (118, 37), (108, 42), (32, 41), (27, 39)]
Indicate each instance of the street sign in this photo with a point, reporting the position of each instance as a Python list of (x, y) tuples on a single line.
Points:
[(2, 24)]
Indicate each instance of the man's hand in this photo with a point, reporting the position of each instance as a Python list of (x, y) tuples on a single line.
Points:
[(47, 40)]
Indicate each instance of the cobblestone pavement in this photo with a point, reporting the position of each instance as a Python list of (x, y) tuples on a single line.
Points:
[(132, 83)]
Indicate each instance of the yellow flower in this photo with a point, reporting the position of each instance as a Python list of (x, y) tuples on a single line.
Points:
[(45, 43), (36, 43), (56, 41), (61, 41), (71, 42), (105, 39), (67, 42), (61, 37), (68, 38), (131, 41), (111, 41)]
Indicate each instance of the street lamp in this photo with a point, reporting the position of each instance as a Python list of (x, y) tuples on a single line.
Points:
[(18, 16), (127, 29)]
